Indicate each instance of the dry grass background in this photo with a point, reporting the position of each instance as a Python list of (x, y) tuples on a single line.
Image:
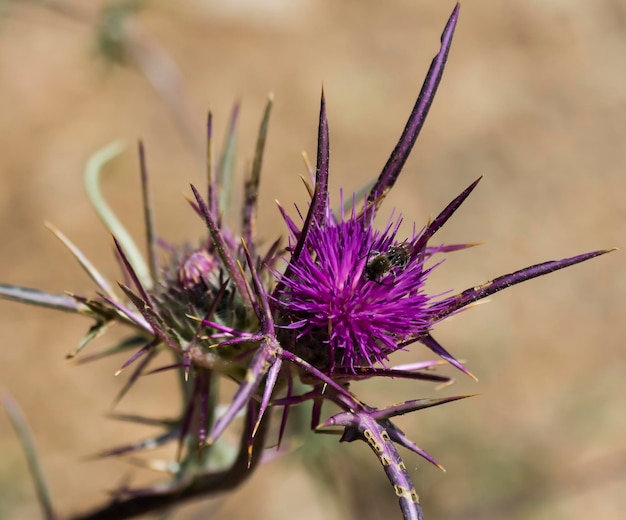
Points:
[(534, 98)]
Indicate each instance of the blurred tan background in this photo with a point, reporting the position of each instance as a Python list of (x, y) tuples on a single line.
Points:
[(534, 99)]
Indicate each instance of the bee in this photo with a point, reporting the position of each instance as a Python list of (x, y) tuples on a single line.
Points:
[(382, 263)]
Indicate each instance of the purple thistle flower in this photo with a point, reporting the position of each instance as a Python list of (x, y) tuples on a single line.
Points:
[(351, 296), (348, 301), (348, 298)]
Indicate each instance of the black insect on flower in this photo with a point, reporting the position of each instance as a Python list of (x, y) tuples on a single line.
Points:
[(379, 264), (287, 326)]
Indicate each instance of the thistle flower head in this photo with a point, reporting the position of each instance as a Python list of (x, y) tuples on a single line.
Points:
[(348, 298), (195, 283), (198, 272), (354, 294)]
